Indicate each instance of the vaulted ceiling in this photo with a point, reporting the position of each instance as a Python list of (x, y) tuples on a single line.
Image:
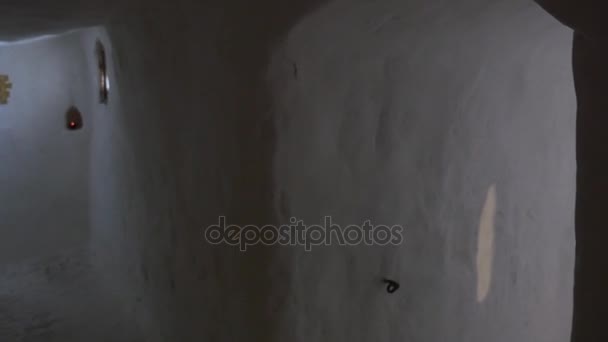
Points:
[(22, 19)]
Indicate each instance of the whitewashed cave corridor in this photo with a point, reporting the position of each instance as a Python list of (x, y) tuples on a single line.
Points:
[(129, 128)]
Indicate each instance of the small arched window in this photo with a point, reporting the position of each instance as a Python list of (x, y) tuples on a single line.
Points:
[(104, 82)]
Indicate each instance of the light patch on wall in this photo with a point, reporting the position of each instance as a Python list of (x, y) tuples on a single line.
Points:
[(5, 87), (485, 245), (37, 38), (28, 40)]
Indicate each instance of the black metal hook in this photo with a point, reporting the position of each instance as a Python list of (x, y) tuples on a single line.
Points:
[(391, 285)]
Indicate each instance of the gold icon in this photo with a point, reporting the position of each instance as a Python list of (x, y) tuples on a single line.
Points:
[(5, 87)]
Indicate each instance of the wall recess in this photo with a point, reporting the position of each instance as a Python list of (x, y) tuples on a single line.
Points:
[(73, 119)]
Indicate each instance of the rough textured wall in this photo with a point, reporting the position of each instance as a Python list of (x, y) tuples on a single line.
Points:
[(190, 142), (409, 115), (124, 227), (403, 113)]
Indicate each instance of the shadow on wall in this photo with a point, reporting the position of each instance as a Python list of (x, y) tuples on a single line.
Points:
[(159, 209), (251, 32)]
